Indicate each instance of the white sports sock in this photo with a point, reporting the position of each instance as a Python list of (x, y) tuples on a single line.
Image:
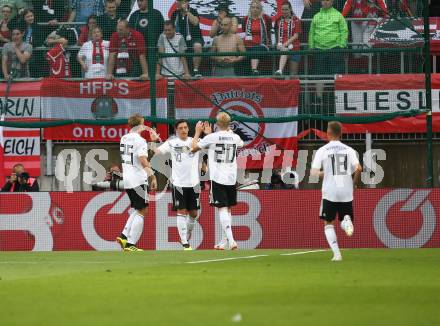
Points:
[(190, 222), (225, 220), (182, 228), (127, 226), (137, 227), (330, 234)]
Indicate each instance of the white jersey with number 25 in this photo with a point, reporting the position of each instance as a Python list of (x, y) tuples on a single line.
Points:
[(222, 155), (133, 146), (339, 162)]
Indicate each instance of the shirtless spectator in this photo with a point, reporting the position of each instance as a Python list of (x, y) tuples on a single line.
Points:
[(223, 12), (227, 42)]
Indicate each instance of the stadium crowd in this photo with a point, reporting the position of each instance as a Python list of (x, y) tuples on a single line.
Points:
[(106, 39)]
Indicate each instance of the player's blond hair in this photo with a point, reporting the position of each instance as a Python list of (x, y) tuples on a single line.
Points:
[(135, 120), (223, 120), (335, 128)]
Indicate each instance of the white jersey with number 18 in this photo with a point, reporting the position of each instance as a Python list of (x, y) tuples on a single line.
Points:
[(222, 156), (339, 162), (132, 146)]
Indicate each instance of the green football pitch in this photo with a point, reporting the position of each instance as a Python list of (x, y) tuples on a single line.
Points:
[(247, 287)]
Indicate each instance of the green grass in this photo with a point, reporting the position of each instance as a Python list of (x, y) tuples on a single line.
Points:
[(370, 287)]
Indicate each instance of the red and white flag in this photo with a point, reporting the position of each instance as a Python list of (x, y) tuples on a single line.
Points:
[(379, 94), (259, 98), (98, 99), (20, 145), (2, 164)]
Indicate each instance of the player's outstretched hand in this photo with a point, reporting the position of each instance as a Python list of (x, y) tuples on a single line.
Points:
[(207, 128), (199, 127), (154, 136)]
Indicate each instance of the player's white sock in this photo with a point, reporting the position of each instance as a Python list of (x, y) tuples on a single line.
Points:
[(225, 220), (137, 227), (127, 226), (190, 222), (182, 228), (330, 234)]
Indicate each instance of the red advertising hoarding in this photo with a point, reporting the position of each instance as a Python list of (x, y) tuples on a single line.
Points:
[(396, 218)]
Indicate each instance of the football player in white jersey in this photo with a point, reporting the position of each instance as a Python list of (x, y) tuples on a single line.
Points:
[(137, 172), (185, 179), (340, 172), (222, 162)]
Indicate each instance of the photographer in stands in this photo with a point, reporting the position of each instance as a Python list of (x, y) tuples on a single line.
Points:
[(20, 181)]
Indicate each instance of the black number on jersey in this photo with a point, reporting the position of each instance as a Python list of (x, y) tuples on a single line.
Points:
[(339, 164), (178, 157), (126, 153), (225, 153)]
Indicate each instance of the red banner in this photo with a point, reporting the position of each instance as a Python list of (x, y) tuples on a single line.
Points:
[(379, 94), (396, 218), (259, 98), (98, 99)]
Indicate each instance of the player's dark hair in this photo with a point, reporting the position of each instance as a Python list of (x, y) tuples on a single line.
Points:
[(178, 122), (335, 127)]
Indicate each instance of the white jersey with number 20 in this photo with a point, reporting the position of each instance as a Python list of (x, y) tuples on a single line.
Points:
[(339, 162), (132, 146), (222, 156)]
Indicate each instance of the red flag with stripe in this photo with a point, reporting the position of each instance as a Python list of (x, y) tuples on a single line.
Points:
[(265, 143)]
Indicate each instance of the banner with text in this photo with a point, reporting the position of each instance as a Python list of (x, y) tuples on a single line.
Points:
[(98, 99), (394, 218), (378, 94), (260, 98), (21, 145)]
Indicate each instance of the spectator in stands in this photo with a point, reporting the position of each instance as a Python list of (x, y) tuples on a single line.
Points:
[(51, 12), (142, 21), (227, 41), (361, 31), (93, 56), (257, 27), (59, 59), (288, 30), (34, 34), (20, 181), (223, 12), (109, 20), (399, 8), (17, 7), (81, 10), (123, 8), (187, 23), (127, 53), (5, 33), (172, 42), (16, 55), (86, 31), (328, 32)]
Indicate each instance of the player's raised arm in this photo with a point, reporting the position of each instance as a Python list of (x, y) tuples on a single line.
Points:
[(200, 126)]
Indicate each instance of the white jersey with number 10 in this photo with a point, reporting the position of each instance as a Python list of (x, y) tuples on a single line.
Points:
[(339, 162), (222, 156), (132, 146)]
